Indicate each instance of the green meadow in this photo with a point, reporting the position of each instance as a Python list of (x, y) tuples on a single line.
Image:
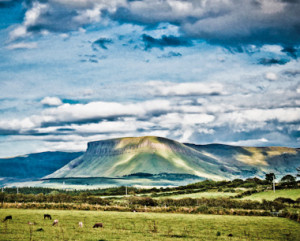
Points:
[(208, 194), (143, 226), (270, 195)]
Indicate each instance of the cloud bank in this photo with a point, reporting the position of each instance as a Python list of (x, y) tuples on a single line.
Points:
[(221, 71), (183, 111), (224, 22)]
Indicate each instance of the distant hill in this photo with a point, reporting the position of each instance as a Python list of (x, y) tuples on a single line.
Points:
[(252, 161), (35, 165), (155, 155)]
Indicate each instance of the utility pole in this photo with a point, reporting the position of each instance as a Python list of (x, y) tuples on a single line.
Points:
[(126, 190), (17, 190), (274, 184), (2, 189)]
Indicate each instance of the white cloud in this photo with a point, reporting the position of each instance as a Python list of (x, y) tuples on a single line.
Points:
[(51, 101), (271, 76), (18, 32), (185, 89), (88, 16), (22, 45), (283, 115), (277, 49), (121, 126), (31, 18), (84, 112), (179, 120), (64, 35), (99, 110), (15, 124), (33, 14)]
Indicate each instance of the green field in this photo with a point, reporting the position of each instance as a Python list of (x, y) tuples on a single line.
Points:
[(140, 226), (270, 195), (201, 194)]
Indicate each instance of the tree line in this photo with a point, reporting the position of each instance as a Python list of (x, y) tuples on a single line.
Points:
[(288, 181)]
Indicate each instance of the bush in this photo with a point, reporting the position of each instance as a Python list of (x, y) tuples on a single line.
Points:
[(285, 200), (144, 201), (289, 215)]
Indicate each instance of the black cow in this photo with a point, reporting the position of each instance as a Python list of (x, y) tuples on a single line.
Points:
[(47, 216), (7, 218), (98, 225)]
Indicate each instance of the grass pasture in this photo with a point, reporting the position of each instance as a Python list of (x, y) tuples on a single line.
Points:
[(208, 194), (270, 195), (143, 226)]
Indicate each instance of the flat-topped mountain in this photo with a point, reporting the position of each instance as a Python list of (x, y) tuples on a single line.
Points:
[(125, 156), (155, 155)]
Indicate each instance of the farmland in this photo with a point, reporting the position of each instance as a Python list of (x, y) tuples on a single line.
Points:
[(207, 210), (143, 226), (208, 194), (270, 195)]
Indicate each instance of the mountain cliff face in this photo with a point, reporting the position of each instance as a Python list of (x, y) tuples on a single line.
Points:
[(155, 155)]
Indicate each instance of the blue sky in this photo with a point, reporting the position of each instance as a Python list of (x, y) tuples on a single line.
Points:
[(218, 71)]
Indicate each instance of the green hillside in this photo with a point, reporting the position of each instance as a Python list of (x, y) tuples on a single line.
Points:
[(270, 195), (125, 156), (253, 161)]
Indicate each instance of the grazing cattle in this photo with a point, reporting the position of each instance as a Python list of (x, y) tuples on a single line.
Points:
[(55, 222), (30, 223), (40, 230), (7, 218), (47, 216), (230, 235), (98, 225), (80, 224)]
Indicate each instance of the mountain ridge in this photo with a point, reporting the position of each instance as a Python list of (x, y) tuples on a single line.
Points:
[(150, 154), (33, 166)]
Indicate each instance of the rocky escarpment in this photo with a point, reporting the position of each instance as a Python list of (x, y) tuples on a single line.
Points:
[(121, 146)]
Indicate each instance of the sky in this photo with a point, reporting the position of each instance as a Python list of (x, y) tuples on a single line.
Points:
[(198, 71)]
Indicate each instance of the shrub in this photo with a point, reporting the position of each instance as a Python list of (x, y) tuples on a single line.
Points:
[(285, 200), (144, 201)]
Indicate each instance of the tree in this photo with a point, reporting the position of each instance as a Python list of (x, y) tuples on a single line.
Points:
[(288, 179), (2, 197), (270, 177)]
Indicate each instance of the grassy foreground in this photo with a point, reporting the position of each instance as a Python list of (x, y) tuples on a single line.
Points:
[(270, 195), (143, 226)]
